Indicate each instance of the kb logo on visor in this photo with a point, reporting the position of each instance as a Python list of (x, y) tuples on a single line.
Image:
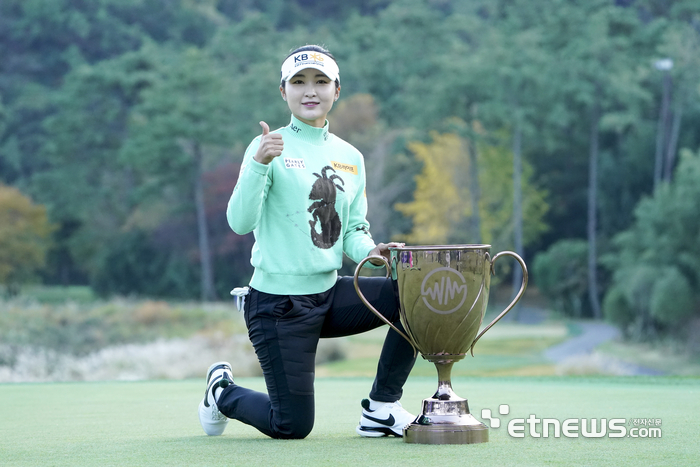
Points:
[(444, 290), (304, 57)]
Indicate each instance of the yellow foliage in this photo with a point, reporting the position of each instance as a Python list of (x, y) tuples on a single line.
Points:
[(24, 236), (437, 204), (442, 199), (496, 203)]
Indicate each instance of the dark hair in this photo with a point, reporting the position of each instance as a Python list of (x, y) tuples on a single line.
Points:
[(310, 48)]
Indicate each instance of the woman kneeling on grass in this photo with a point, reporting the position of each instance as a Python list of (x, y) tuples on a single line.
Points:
[(301, 191)]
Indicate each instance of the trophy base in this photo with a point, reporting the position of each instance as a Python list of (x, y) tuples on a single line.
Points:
[(446, 433), (446, 421)]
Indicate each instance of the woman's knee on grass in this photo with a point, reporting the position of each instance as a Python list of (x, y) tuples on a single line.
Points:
[(294, 429)]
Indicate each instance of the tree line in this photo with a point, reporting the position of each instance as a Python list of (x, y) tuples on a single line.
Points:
[(551, 127)]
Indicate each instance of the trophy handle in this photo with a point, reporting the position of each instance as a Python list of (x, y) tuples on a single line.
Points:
[(515, 300), (369, 305)]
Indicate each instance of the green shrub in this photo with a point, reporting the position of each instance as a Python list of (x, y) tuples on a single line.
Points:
[(672, 300), (561, 275), (616, 309)]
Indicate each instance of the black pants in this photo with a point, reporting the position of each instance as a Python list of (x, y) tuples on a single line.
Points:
[(285, 331)]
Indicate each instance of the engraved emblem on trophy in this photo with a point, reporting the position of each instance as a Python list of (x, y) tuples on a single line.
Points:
[(443, 294)]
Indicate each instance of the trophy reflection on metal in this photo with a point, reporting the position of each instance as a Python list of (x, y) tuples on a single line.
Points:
[(443, 292)]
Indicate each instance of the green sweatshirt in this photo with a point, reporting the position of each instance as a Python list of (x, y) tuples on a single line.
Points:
[(305, 208)]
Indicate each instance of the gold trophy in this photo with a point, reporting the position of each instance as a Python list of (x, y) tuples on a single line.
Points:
[(443, 293)]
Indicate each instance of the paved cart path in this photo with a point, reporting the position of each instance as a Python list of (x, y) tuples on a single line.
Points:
[(594, 333)]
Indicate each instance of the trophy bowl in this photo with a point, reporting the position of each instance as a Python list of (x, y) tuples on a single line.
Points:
[(443, 294)]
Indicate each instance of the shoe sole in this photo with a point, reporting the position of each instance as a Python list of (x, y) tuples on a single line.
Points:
[(210, 428), (376, 432)]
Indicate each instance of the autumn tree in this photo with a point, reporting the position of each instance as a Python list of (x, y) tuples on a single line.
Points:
[(437, 202), (442, 199), (24, 238)]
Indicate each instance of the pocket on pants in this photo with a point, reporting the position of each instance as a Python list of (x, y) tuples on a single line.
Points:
[(264, 305)]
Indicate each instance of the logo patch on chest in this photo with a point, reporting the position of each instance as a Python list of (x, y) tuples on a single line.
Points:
[(349, 168), (290, 163), (324, 216)]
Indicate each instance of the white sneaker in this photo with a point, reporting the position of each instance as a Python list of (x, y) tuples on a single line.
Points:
[(387, 419), (213, 421)]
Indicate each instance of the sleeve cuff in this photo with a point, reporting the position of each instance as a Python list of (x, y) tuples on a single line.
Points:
[(258, 168), (369, 264)]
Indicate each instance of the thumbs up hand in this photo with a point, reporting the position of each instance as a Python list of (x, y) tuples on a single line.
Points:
[(271, 145)]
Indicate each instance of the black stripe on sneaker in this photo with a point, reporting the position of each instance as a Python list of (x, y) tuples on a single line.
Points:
[(222, 381), (391, 421), (217, 367)]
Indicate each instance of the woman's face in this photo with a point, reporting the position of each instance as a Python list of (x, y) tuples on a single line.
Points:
[(310, 95)]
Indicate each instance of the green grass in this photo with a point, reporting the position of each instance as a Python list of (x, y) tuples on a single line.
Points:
[(154, 423), (507, 349)]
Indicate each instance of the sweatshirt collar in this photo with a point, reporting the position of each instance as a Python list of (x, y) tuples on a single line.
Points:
[(308, 133)]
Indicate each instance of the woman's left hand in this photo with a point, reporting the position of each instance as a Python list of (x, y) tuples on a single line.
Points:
[(382, 249)]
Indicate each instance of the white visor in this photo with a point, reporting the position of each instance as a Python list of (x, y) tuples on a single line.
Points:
[(310, 59)]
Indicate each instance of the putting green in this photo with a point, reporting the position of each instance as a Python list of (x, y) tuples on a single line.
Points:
[(155, 423)]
